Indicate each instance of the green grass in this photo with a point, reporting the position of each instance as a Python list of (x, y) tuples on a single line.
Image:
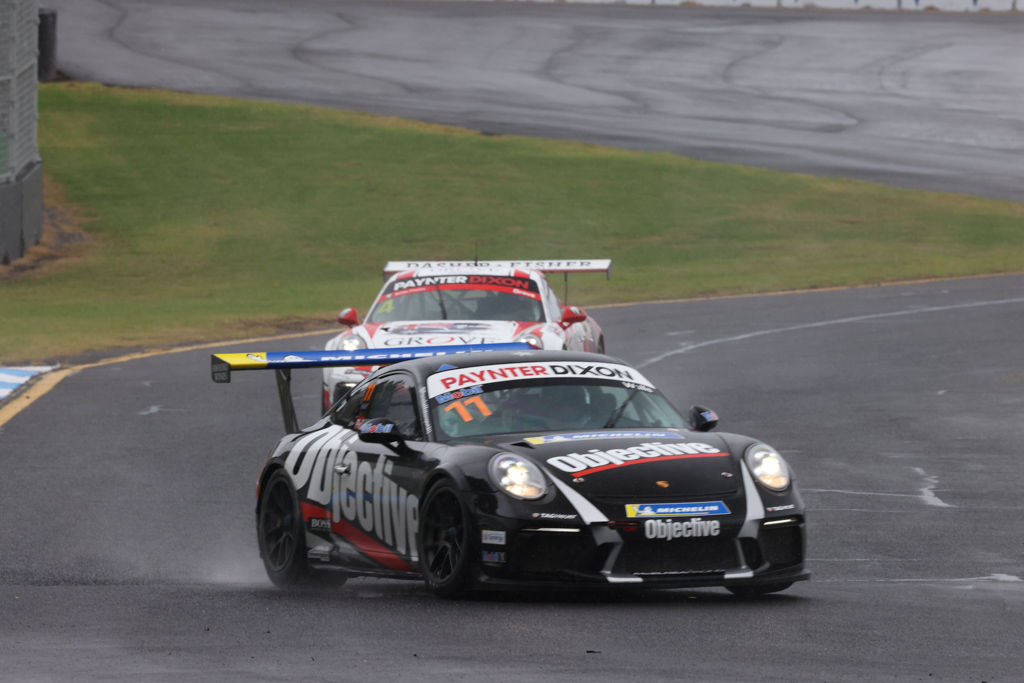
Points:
[(215, 218)]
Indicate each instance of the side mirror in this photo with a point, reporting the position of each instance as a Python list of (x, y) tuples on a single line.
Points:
[(703, 419), (385, 432), (380, 430), (572, 315), (348, 317)]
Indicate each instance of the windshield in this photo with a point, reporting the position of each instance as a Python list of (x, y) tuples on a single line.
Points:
[(545, 402), (462, 297)]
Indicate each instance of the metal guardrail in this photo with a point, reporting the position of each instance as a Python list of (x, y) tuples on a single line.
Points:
[(19, 47)]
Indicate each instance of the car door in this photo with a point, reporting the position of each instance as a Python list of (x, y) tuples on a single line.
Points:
[(376, 487)]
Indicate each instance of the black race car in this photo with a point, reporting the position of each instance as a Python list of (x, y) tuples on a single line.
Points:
[(519, 469)]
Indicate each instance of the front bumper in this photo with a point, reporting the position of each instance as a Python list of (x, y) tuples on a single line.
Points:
[(606, 555)]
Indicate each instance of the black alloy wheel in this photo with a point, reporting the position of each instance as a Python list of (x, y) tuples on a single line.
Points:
[(281, 533), (444, 540)]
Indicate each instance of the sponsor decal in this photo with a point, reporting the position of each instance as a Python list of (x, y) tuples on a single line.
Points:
[(436, 327), (461, 393), (716, 507), (523, 286), (376, 428), (492, 537), (365, 504), (437, 340), (493, 556), (367, 496), (432, 281), (669, 530), (451, 380), (780, 508), (553, 515), (594, 460), (520, 283), (319, 524), (587, 436)]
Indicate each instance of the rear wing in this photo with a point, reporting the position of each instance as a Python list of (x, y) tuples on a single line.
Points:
[(282, 362), (569, 266), (565, 267)]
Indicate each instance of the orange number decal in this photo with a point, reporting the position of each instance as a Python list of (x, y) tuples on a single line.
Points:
[(462, 408)]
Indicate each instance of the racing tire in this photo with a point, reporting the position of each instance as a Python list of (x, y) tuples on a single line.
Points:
[(444, 541), (600, 345), (758, 591), (282, 535)]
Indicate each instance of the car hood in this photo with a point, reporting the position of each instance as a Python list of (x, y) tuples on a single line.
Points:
[(635, 466), (443, 332)]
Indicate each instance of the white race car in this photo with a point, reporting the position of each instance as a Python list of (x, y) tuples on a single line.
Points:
[(441, 303)]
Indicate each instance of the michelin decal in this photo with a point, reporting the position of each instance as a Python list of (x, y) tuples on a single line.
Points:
[(715, 507)]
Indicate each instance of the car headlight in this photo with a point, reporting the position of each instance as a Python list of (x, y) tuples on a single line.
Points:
[(352, 342), (767, 466), (532, 339), (518, 477)]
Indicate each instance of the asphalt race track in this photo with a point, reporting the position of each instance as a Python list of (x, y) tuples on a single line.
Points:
[(923, 100), (128, 541)]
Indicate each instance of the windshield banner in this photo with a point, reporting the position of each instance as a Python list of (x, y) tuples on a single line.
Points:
[(451, 380)]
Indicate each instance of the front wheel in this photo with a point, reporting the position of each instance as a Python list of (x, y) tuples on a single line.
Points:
[(444, 541)]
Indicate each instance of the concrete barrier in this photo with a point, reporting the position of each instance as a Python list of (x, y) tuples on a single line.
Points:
[(21, 213)]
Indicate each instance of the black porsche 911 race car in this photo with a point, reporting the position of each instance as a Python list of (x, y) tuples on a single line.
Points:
[(522, 468)]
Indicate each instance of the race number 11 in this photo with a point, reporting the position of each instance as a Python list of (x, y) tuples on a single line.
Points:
[(462, 408)]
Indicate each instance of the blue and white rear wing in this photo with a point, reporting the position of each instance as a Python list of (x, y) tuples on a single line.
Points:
[(282, 362), (222, 364)]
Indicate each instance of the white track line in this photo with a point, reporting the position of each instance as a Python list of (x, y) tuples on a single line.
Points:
[(824, 323)]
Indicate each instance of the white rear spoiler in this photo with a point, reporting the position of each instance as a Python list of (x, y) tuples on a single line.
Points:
[(568, 266)]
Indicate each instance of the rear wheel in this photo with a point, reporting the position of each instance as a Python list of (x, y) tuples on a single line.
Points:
[(444, 541), (757, 591), (282, 535)]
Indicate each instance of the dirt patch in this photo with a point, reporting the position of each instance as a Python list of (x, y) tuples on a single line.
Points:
[(63, 241)]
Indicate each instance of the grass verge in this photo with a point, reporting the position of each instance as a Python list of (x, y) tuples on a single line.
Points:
[(214, 218)]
